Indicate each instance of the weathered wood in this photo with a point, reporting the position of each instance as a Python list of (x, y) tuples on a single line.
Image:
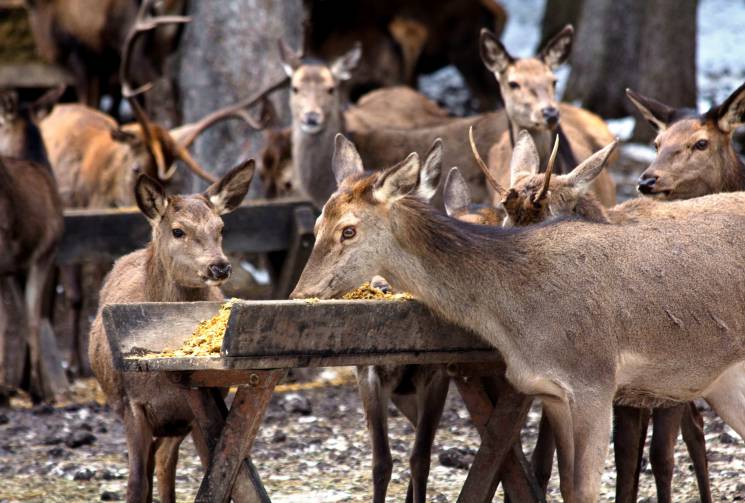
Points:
[(301, 244), (210, 412), (32, 75), (237, 436), (257, 226)]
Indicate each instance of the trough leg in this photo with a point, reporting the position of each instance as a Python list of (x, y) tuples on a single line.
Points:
[(498, 420), (236, 436)]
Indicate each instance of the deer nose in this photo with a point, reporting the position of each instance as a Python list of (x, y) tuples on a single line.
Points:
[(647, 183), (219, 270), (551, 114), (312, 119)]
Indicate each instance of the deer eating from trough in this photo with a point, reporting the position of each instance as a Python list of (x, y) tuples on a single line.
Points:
[(31, 220), (183, 262), (528, 87), (670, 339)]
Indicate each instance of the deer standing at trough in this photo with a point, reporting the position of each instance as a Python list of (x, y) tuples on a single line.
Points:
[(184, 262), (408, 124), (536, 197), (647, 328), (528, 87), (31, 220)]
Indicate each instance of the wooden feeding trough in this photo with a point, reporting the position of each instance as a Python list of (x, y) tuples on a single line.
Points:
[(265, 338)]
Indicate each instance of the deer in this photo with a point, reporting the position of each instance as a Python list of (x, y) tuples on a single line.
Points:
[(31, 222), (96, 161), (317, 116), (669, 340), (528, 87), (536, 197), (184, 262)]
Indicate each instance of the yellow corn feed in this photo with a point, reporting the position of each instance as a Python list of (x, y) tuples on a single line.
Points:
[(368, 292), (206, 340)]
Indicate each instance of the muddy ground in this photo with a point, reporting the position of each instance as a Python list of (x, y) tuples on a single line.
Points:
[(312, 448)]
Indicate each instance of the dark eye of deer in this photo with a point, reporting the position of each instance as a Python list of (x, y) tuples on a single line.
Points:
[(331, 90), (513, 85), (295, 90), (178, 233), (701, 145), (348, 233)]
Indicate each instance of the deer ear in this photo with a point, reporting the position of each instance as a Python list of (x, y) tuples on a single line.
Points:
[(121, 136), (525, 160), (346, 161), (398, 181), (8, 104), (44, 105), (583, 175), (657, 114), (151, 198), (290, 59), (228, 192), (493, 54), (456, 193), (556, 51), (731, 113), (429, 176), (342, 67)]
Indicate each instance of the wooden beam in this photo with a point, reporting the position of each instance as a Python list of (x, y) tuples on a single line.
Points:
[(257, 226)]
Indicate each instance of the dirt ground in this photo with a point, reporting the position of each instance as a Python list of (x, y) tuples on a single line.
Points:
[(312, 448)]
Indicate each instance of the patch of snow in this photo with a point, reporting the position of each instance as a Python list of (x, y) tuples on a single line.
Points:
[(523, 30), (639, 152), (622, 128), (325, 496)]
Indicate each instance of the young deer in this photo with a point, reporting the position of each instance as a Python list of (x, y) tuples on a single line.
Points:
[(184, 262), (536, 197), (671, 339), (386, 129), (31, 220), (528, 91)]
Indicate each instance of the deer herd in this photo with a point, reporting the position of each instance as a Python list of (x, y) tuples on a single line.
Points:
[(604, 312)]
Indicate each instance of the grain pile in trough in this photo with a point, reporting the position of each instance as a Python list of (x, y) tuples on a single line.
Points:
[(368, 292), (206, 340)]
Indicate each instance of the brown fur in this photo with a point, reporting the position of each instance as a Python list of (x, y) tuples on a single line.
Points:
[(170, 269), (661, 342), (527, 103)]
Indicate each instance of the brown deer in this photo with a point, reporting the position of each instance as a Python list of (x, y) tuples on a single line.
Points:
[(383, 139), (184, 262), (458, 203), (528, 91), (536, 197), (30, 217), (671, 339)]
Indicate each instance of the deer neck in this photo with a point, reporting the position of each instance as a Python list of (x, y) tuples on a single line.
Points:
[(543, 139), (311, 155), (160, 285), (734, 179)]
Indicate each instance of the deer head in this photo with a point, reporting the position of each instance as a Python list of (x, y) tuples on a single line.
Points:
[(187, 230), (314, 92), (19, 132), (695, 155), (349, 228), (528, 85)]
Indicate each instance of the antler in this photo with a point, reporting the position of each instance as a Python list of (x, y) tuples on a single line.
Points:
[(163, 149), (549, 170), (489, 177)]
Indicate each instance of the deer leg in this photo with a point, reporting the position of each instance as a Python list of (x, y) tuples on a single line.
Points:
[(139, 445), (151, 468), (35, 282), (543, 454), (692, 427), (375, 395), (591, 420), (629, 436), (665, 428), (559, 419), (70, 276), (430, 403), (727, 397), (166, 459)]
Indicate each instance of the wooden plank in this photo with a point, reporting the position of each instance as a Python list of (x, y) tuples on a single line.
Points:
[(256, 226), (33, 75), (237, 436)]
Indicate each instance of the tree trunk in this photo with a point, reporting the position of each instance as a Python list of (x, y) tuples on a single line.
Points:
[(229, 52), (556, 15), (647, 46)]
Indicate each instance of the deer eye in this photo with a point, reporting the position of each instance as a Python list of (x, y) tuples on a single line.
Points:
[(331, 90), (178, 233), (513, 85), (295, 90), (348, 232), (701, 145)]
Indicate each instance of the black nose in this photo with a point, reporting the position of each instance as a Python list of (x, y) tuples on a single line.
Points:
[(219, 270), (551, 115), (313, 119), (646, 183)]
